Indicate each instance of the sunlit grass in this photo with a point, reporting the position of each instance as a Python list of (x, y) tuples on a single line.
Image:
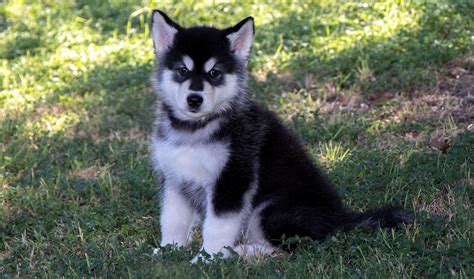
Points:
[(360, 82), (331, 153)]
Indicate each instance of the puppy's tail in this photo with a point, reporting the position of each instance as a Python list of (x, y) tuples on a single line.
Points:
[(384, 217)]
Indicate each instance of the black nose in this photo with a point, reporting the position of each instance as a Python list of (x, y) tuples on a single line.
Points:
[(194, 100)]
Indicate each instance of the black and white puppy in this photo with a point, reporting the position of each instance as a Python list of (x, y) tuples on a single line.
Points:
[(227, 161)]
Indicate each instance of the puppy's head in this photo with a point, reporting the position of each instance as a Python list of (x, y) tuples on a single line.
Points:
[(201, 70)]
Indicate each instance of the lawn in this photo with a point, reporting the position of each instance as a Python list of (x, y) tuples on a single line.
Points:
[(380, 92)]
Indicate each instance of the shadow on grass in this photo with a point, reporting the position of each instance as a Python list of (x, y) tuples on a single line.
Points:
[(119, 99), (109, 207), (116, 102)]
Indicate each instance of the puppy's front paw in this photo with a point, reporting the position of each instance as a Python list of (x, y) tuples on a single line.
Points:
[(206, 258), (166, 248), (156, 251), (201, 258)]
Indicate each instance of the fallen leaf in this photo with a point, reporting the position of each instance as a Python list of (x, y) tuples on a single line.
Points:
[(373, 98), (384, 95), (440, 145), (331, 87), (458, 72), (88, 173), (342, 99)]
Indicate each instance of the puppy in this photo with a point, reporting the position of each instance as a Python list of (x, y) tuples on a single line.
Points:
[(227, 161)]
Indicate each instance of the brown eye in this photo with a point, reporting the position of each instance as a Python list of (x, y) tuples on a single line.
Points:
[(214, 74), (183, 71)]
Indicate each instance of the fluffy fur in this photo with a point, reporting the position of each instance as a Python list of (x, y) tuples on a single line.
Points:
[(227, 161)]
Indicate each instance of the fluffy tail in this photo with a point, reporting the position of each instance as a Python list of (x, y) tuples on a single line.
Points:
[(384, 217)]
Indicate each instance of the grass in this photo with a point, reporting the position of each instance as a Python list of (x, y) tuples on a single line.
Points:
[(366, 85)]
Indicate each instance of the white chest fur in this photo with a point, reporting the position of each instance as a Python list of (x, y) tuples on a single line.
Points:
[(200, 163)]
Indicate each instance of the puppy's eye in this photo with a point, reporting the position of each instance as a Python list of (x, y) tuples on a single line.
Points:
[(183, 71), (214, 74)]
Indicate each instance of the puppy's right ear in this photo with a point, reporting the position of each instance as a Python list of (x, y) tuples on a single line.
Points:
[(163, 30)]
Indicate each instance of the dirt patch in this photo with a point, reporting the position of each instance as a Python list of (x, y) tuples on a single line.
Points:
[(459, 84), (89, 173), (453, 97), (444, 205)]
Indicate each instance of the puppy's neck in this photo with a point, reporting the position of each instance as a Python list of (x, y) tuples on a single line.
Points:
[(185, 125)]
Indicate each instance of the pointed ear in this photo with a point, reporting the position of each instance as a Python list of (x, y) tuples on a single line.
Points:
[(163, 30), (241, 36)]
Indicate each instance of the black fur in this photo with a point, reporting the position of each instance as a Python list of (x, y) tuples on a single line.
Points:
[(185, 125), (298, 198)]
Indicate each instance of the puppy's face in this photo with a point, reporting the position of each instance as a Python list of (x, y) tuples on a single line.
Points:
[(197, 83), (201, 69)]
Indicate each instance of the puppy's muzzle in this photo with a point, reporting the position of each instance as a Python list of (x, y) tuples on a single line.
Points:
[(194, 102)]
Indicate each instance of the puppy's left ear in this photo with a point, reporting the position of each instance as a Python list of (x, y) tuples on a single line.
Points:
[(240, 37)]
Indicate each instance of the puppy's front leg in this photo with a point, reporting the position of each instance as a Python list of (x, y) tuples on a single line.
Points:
[(228, 204), (176, 218), (220, 232)]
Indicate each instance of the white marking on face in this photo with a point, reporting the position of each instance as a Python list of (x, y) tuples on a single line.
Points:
[(188, 62), (215, 98), (167, 88), (209, 64), (175, 94), (223, 94)]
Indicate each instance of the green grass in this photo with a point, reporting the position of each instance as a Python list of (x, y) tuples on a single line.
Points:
[(367, 87)]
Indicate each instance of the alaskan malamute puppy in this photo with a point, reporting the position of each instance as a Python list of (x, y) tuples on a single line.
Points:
[(227, 161)]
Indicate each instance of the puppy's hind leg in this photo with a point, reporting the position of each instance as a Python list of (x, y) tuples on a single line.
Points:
[(254, 244)]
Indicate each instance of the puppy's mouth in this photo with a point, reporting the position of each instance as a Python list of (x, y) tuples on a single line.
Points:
[(202, 113), (195, 114)]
